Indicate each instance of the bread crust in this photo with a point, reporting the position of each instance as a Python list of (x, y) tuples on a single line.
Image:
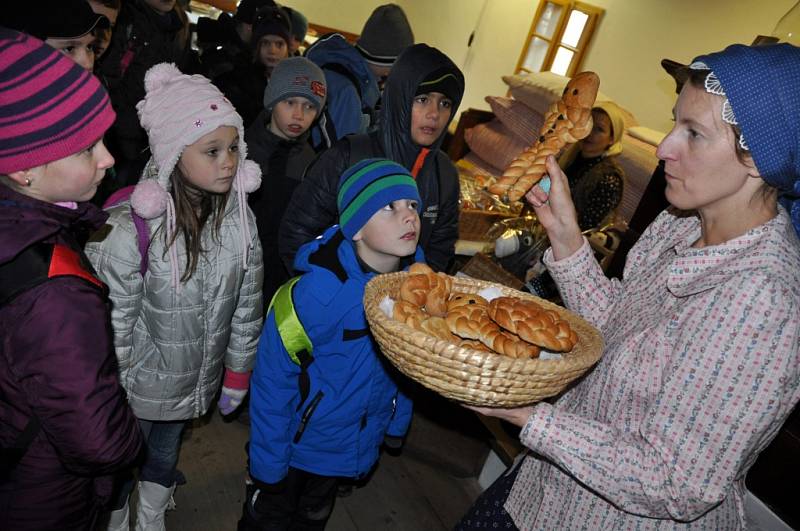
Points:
[(566, 122), (533, 323)]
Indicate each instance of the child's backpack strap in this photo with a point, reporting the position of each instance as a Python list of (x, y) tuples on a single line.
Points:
[(142, 230), (293, 336), (39, 263)]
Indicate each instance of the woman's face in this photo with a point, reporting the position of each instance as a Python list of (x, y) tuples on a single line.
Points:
[(601, 137), (702, 170)]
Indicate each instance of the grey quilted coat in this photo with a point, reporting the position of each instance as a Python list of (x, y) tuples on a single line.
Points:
[(172, 346)]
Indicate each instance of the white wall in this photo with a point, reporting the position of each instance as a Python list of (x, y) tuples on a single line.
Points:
[(630, 41), (635, 35)]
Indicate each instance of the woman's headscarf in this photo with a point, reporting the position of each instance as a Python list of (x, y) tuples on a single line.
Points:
[(761, 85)]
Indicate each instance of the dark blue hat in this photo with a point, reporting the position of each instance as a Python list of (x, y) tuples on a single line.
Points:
[(762, 84)]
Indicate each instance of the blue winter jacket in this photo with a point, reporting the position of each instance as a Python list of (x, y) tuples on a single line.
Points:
[(344, 104), (353, 400)]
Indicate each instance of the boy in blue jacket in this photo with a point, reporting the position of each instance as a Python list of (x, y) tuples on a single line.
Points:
[(322, 399)]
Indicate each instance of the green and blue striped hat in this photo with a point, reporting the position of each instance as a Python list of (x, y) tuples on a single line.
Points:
[(367, 187)]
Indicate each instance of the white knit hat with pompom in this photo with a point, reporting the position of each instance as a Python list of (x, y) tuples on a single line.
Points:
[(177, 110)]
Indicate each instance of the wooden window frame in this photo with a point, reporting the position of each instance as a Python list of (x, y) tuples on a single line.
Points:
[(568, 6)]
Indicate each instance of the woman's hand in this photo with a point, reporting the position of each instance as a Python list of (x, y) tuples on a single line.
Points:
[(518, 416), (556, 212)]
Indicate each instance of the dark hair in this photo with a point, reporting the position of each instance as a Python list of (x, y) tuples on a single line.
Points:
[(193, 208)]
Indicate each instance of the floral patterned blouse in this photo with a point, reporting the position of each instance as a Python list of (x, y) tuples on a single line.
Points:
[(701, 367)]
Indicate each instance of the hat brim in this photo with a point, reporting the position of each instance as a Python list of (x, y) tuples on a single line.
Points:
[(678, 71)]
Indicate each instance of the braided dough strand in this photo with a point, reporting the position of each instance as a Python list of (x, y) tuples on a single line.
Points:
[(533, 323), (567, 121)]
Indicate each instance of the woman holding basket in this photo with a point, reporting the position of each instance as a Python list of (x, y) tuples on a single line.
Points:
[(702, 337)]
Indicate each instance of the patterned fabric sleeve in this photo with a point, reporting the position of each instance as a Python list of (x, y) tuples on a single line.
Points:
[(723, 394), (583, 286)]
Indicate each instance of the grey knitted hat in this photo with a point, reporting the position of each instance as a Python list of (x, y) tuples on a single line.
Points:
[(295, 76), (385, 34)]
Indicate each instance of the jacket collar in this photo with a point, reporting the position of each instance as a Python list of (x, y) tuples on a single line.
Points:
[(693, 270), (337, 255), (25, 220)]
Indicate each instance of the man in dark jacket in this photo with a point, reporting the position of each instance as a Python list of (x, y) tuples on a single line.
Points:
[(420, 99)]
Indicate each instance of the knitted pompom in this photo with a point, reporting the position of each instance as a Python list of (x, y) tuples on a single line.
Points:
[(249, 177), (149, 199), (160, 75)]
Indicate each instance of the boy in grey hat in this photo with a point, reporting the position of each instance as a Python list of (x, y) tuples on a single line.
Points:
[(278, 141)]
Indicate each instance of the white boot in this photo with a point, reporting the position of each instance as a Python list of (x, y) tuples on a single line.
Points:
[(120, 519), (154, 500)]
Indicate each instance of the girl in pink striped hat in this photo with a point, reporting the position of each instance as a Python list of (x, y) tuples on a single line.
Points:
[(65, 427)]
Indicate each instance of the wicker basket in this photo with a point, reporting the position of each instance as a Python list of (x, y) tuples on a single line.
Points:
[(471, 376)]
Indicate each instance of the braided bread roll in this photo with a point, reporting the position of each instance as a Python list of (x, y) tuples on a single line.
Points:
[(533, 323), (567, 121), (437, 327), (465, 299), (408, 313), (426, 289), (472, 321)]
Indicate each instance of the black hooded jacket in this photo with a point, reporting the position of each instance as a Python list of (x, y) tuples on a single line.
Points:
[(313, 205)]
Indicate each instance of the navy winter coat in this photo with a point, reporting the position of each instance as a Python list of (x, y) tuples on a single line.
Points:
[(353, 393)]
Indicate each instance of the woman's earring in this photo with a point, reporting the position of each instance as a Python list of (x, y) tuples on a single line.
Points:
[(27, 182)]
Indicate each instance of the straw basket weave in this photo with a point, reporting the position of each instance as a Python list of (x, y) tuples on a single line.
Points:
[(472, 376)]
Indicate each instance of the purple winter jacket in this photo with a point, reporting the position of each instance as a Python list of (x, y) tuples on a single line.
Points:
[(57, 361)]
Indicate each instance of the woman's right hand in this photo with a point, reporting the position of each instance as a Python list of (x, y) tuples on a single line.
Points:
[(556, 212)]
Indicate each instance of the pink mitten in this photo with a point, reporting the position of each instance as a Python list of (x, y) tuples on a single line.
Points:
[(234, 389)]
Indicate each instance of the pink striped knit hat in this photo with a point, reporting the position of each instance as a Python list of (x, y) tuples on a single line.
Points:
[(177, 110), (50, 108)]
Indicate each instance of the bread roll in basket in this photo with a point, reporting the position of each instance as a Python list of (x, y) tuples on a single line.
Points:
[(472, 376)]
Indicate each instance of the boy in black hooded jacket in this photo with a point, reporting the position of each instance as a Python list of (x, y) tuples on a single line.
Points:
[(420, 98)]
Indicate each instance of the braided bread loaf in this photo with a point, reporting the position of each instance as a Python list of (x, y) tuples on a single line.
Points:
[(567, 121), (533, 323), (471, 321), (427, 289)]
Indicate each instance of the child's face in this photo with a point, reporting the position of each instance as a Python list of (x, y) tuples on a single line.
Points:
[(73, 178), (292, 117), (211, 163), (600, 139), (391, 232), (80, 49), (429, 116), (271, 50)]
